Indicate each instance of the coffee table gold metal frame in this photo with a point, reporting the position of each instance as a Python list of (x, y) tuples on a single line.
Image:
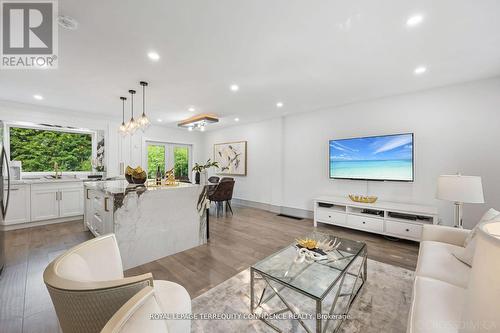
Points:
[(338, 281)]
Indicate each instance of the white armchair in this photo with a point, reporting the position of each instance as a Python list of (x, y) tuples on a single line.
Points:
[(134, 316), (87, 287)]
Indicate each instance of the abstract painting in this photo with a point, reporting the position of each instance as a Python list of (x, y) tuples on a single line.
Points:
[(231, 157)]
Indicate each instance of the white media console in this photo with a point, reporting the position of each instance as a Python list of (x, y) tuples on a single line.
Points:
[(402, 220)]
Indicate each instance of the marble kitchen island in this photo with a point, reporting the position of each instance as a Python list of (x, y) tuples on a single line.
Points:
[(149, 222)]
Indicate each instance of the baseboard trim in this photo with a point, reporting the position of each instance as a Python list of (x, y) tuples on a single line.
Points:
[(303, 213), (39, 223)]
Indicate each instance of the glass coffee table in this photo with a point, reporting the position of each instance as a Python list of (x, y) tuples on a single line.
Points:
[(308, 296)]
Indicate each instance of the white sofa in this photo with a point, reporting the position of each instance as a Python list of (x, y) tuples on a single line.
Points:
[(444, 291)]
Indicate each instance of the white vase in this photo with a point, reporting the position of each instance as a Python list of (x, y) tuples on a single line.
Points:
[(203, 177)]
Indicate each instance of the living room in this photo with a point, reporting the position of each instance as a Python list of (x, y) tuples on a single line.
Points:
[(250, 166)]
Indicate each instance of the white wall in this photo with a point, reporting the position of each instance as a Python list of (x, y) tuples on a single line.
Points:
[(128, 150), (456, 128), (264, 178)]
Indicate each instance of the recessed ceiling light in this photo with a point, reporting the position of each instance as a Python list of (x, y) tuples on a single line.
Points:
[(279, 105), (154, 56), (38, 97), (160, 120), (234, 87), (236, 119), (191, 109), (414, 20), (420, 70)]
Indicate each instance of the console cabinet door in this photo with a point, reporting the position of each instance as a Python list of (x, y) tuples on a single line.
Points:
[(19, 205), (44, 203), (71, 201)]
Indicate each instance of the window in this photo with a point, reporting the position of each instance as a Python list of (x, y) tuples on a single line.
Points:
[(39, 149), (168, 156), (181, 162), (156, 158)]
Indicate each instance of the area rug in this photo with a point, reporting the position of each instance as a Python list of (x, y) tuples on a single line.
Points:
[(381, 306)]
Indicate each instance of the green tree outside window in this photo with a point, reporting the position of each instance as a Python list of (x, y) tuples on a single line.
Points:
[(38, 150)]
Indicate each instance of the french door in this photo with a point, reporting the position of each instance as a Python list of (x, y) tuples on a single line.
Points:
[(167, 156)]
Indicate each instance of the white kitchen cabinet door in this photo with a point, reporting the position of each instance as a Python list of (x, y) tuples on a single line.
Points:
[(19, 205), (44, 203), (71, 201)]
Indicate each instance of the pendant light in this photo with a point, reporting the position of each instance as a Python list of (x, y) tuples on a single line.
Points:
[(123, 127), (143, 121), (132, 124)]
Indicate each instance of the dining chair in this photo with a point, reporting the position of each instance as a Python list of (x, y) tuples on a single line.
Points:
[(222, 193)]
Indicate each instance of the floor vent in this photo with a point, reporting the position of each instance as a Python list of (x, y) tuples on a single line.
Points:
[(291, 217)]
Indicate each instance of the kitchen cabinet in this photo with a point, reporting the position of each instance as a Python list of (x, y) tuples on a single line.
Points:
[(19, 210), (50, 201), (98, 212), (71, 201), (44, 202)]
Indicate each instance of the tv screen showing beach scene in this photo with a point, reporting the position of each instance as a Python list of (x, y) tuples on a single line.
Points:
[(388, 157)]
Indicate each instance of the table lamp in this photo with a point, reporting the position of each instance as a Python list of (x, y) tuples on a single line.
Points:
[(460, 189)]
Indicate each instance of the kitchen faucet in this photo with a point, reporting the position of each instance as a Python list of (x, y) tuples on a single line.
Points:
[(58, 174)]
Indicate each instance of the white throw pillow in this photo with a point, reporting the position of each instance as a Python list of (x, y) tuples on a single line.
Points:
[(467, 254)]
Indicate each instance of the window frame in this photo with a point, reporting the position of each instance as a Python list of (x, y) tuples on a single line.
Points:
[(169, 152), (19, 124)]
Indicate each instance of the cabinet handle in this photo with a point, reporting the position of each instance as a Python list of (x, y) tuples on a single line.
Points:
[(60, 195), (57, 196), (364, 222), (88, 194), (407, 230), (106, 204)]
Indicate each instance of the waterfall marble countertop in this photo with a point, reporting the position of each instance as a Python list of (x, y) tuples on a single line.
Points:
[(149, 222), (122, 187)]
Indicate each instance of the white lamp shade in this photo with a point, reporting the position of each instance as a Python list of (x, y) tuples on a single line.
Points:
[(458, 188), (482, 305)]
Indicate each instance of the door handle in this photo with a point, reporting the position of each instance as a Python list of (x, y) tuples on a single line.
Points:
[(88, 194), (4, 207), (106, 204)]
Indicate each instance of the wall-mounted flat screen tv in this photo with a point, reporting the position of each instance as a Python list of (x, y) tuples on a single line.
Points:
[(387, 157)]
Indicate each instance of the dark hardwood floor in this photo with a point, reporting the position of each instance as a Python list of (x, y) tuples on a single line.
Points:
[(236, 243)]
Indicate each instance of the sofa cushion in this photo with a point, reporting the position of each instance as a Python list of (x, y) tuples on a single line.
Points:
[(489, 216), (436, 306), (436, 260), (466, 255)]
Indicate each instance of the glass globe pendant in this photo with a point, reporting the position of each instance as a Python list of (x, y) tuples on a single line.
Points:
[(132, 125), (143, 121), (123, 127)]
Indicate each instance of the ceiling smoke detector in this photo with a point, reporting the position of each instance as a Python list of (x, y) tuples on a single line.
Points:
[(67, 22)]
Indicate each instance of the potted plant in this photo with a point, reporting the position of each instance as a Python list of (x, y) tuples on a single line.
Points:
[(202, 168)]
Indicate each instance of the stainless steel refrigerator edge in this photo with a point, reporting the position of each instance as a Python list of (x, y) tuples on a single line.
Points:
[(4, 192)]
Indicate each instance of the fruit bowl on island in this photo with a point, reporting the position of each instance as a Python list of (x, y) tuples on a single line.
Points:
[(135, 176)]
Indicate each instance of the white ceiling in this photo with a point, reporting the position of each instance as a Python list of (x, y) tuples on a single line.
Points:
[(308, 54)]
